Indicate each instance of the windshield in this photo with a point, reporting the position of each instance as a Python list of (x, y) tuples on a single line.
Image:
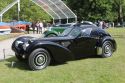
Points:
[(71, 32)]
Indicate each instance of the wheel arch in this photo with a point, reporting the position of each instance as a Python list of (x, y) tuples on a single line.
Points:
[(102, 40), (109, 38), (57, 52)]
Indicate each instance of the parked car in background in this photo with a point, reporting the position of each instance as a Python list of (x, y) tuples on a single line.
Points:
[(22, 25), (55, 30), (74, 43), (4, 28)]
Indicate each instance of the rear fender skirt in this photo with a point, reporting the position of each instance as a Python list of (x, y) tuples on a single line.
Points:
[(58, 52)]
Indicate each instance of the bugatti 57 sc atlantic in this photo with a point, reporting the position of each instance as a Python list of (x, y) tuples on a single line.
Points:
[(73, 43)]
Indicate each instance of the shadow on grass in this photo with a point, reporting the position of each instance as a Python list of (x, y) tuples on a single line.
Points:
[(14, 63), (76, 59)]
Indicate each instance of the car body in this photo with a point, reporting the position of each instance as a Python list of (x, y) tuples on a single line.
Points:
[(74, 43)]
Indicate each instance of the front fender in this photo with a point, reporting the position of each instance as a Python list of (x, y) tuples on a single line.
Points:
[(21, 40), (58, 52)]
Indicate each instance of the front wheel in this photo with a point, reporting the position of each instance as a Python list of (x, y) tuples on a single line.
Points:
[(39, 59), (107, 49)]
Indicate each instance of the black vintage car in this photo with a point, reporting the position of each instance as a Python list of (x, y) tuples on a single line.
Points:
[(74, 43)]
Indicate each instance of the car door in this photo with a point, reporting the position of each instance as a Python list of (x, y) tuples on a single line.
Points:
[(83, 45)]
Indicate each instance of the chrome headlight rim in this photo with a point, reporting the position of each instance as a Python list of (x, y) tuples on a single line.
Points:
[(25, 45), (17, 43)]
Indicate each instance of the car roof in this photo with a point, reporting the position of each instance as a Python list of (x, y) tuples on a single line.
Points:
[(86, 25)]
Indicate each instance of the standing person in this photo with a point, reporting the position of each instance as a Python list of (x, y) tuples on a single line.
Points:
[(112, 24), (40, 27), (44, 25), (33, 26), (101, 24), (104, 25), (37, 27)]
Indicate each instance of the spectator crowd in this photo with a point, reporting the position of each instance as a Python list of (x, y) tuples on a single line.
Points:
[(38, 27)]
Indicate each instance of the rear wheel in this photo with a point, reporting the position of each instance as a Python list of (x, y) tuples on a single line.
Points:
[(107, 49), (39, 59)]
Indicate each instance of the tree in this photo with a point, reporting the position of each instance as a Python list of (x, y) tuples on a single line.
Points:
[(118, 6), (92, 9), (29, 11), (109, 10)]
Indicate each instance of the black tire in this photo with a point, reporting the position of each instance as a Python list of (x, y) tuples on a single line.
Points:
[(51, 35), (107, 49), (20, 57), (39, 59)]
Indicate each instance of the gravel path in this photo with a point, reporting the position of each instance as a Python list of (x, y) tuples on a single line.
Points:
[(5, 46)]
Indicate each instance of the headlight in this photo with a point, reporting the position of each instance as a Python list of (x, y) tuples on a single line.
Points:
[(17, 43), (25, 45)]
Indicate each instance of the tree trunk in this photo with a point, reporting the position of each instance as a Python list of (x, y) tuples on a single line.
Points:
[(120, 15)]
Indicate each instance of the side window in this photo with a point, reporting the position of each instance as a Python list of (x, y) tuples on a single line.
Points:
[(86, 32), (75, 32)]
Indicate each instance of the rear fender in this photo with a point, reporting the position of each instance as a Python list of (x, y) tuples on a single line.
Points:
[(58, 52), (102, 40), (107, 38)]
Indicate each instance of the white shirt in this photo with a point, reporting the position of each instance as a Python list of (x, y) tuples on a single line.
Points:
[(41, 24)]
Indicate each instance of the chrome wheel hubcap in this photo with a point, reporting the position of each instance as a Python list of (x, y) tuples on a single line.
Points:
[(40, 59)]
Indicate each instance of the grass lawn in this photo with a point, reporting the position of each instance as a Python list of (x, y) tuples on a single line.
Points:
[(87, 70), (3, 37)]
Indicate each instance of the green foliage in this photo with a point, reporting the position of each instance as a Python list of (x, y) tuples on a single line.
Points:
[(96, 9), (29, 11), (109, 10), (119, 7)]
